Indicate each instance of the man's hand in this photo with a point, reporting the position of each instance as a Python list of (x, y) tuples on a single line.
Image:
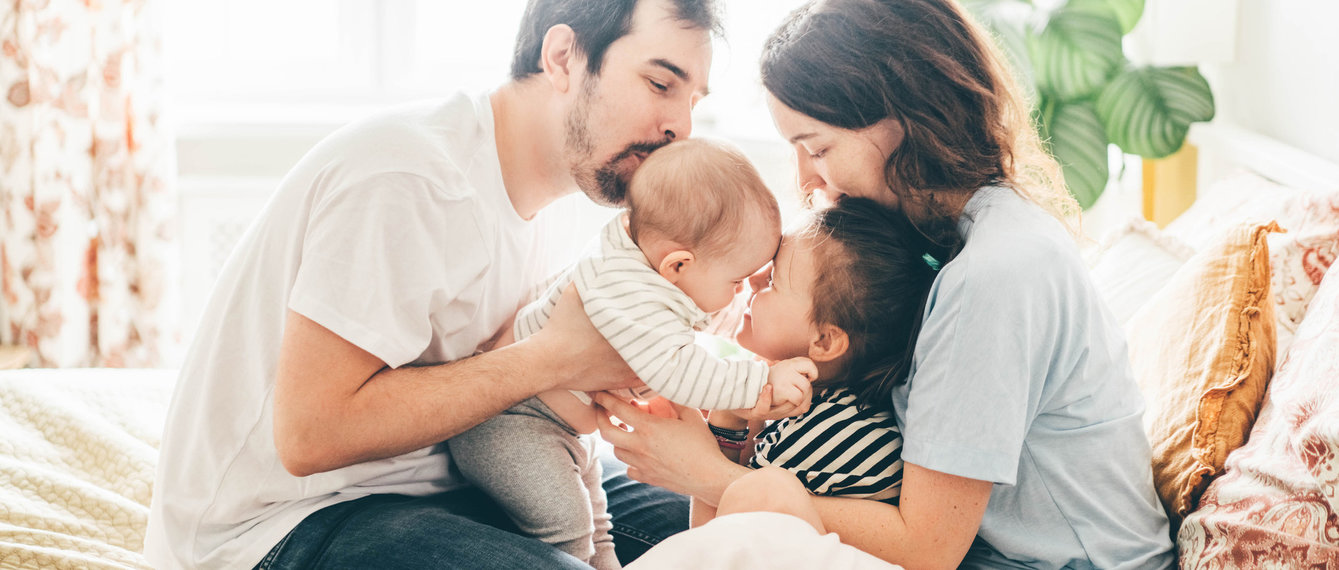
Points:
[(579, 351)]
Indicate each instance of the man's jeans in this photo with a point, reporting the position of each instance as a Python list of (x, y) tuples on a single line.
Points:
[(465, 529)]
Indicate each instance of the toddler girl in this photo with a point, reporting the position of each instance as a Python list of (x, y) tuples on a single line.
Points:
[(848, 292)]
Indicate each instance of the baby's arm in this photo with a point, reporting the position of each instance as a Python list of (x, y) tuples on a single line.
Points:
[(690, 375), (648, 322), (532, 316), (660, 348)]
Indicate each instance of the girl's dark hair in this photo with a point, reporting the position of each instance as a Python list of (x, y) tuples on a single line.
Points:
[(926, 64), (872, 280), (597, 24)]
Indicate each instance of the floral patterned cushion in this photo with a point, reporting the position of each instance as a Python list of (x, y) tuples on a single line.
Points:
[(1277, 505), (1298, 258)]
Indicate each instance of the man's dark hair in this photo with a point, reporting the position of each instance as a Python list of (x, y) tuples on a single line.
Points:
[(597, 24)]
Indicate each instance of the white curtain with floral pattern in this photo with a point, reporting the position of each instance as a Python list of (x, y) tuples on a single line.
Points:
[(88, 265)]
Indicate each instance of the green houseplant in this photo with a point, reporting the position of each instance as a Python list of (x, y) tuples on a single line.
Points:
[(1085, 93)]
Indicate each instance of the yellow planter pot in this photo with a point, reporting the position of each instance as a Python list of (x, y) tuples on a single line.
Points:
[(1169, 185)]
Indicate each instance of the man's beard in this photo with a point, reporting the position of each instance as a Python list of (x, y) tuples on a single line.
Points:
[(603, 184)]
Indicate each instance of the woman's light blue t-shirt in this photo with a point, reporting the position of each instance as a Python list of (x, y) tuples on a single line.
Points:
[(1021, 378)]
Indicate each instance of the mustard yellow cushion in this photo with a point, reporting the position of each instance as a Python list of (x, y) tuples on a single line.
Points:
[(1202, 351)]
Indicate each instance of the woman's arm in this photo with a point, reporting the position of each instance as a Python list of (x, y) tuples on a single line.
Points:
[(933, 527), (701, 512)]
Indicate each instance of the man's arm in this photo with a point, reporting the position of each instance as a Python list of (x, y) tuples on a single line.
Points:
[(336, 404)]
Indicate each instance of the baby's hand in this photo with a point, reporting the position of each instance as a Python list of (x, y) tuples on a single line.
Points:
[(788, 390), (790, 380)]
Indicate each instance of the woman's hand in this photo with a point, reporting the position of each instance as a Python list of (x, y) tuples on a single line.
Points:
[(677, 453), (582, 357)]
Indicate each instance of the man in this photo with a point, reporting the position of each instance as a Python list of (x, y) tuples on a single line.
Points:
[(339, 347)]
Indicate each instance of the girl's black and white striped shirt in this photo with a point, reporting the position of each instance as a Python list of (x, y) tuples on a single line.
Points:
[(837, 449)]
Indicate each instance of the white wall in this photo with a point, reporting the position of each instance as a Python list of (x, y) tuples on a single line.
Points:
[(1283, 82), (1284, 79)]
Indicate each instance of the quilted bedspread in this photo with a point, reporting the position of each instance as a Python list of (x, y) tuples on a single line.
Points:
[(77, 455)]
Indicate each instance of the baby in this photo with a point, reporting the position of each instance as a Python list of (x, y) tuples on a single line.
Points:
[(699, 222)]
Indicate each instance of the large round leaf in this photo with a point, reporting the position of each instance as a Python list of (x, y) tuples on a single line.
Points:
[(1007, 21), (1127, 12), (1075, 137), (1076, 52), (1147, 111)]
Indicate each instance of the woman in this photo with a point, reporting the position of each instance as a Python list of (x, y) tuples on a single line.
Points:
[(1023, 441)]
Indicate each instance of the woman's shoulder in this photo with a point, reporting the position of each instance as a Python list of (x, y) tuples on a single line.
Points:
[(1013, 250), (1007, 238)]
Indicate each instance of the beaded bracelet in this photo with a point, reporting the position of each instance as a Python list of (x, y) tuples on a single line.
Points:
[(730, 434), (726, 443)]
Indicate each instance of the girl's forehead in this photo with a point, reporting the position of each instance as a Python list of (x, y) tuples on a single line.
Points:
[(796, 250), (802, 240)]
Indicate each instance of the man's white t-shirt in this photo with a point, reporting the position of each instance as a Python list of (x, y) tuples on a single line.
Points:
[(395, 233)]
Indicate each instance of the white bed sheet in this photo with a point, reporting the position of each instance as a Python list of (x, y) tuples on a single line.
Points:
[(77, 455)]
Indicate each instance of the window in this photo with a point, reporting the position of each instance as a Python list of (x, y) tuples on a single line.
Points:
[(256, 83), (285, 53)]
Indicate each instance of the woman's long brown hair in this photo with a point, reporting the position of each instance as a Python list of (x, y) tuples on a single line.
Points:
[(928, 65)]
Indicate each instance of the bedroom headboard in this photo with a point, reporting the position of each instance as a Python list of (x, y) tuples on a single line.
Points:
[(1225, 148), (1217, 150)]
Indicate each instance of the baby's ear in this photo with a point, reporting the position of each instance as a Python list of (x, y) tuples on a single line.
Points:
[(674, 264), (829, 343)]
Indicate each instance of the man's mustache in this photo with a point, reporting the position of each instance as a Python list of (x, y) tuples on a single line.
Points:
[(641, 147)]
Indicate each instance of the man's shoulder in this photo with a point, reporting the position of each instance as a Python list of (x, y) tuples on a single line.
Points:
[(438, 141), (453, 118)]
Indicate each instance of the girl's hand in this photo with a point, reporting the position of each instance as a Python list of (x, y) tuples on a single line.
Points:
[(677, 453)]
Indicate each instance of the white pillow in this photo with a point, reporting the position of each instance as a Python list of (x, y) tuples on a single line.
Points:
[(1238, 197), (1133, 263)]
